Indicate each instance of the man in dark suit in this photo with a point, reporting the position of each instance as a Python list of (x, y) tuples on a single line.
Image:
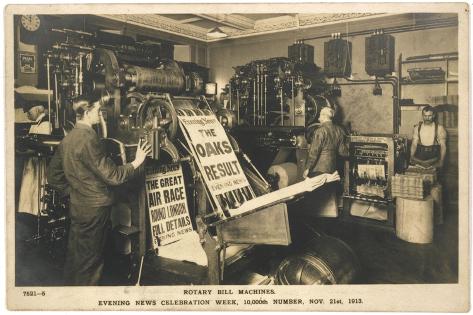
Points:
[(328, 143), (81, 168)]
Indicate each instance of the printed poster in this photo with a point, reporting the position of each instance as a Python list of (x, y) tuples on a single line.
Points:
[(220, 168), (167, 204)]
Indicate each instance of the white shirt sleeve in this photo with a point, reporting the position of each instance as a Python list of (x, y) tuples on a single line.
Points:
[(43, 128), (441, 133)]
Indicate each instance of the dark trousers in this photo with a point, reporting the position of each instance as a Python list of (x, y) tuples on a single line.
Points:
[(85, 249)]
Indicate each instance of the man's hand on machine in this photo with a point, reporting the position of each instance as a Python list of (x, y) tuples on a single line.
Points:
[(143, 149), (305, 174)]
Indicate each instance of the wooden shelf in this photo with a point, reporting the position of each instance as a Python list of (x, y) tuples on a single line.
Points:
[(428, 82), (428, 60), (452, 131), (413, 107), (441, 83)]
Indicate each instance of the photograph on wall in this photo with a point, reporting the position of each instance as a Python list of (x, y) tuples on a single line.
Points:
[(303, 157)]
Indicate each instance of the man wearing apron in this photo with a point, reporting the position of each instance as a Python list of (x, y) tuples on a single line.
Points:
[(428, 147), (34, 171), (328, 142), (81, 168)]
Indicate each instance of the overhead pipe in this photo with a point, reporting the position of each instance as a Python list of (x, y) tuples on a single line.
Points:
[(396, 29)]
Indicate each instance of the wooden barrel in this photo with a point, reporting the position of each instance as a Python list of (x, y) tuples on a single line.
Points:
[(415, 220), (325, 260)]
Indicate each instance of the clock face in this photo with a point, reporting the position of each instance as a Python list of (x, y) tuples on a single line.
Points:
[(30, 22)]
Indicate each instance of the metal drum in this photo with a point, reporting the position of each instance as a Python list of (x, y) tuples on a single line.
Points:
[(325, 260)]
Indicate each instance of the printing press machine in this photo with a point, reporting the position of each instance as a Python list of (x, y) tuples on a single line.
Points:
[(374, 160), (145, 97)]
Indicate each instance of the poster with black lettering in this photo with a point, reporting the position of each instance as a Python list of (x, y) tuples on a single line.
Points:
[(167, 204), (220, 168)]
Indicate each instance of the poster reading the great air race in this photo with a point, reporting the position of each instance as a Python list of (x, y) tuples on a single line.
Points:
[(167, 204)]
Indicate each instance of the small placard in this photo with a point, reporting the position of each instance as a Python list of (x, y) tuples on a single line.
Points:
[(27, 63)]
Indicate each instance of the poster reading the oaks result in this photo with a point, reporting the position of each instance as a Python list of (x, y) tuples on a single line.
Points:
[(167, 204), (220, 168)]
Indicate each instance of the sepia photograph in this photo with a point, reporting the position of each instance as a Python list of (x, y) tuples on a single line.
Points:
[(258, 156)]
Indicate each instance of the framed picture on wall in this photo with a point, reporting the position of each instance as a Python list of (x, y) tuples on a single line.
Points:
[(27, 63)]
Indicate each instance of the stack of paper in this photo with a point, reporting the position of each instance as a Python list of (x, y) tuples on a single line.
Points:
[(309, 184)]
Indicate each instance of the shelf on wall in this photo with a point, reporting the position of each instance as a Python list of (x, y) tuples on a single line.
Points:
[(432, 58), (412, 107), (452, 131), (428, 82), (428, 60), (32, 93)]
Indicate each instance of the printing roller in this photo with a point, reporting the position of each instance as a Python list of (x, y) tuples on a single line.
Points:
[(109, 72), (284, 173), (166, 80)]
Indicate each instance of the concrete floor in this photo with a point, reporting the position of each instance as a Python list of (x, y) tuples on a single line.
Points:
[(383, 257), (386, 259)]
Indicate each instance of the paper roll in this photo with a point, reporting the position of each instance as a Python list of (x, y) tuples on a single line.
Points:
[(286, 172), (415, 220)]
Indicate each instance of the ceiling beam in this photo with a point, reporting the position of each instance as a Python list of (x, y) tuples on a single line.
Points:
[(158, 24), (189, 20), (233, 20)]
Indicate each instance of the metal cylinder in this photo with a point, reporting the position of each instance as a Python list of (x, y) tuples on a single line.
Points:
[(257, 96), (160, 80), (325, 260), (261, 89)]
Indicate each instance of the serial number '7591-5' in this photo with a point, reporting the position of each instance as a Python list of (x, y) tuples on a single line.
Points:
[(34, 293)]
